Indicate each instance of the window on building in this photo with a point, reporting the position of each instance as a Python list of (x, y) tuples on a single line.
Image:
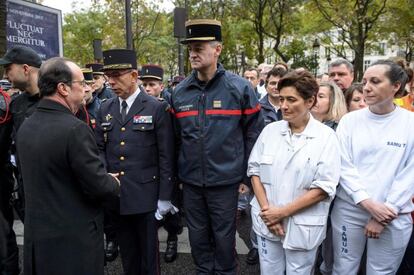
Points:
[(366, 64), (382, 48)]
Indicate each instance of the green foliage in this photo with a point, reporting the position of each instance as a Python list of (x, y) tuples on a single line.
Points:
[(257, 29)]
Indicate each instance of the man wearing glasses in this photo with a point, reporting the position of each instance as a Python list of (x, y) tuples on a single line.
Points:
[(135, 137), (64, 179)]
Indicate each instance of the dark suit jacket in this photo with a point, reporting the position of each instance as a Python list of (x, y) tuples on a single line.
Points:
[(141, 149), (64, 182)]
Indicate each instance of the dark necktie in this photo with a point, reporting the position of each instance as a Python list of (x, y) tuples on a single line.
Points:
[(124, 110)]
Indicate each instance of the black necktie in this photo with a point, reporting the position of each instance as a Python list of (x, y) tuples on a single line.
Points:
[(124, 110)]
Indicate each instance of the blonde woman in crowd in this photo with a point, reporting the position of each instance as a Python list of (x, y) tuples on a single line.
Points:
[(330, 104)]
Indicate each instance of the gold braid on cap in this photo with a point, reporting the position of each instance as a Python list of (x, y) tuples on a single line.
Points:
[(117, 66), (202, 22)]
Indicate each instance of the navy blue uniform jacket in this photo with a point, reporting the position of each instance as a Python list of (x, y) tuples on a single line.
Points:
[(141, 149), (217, 124)]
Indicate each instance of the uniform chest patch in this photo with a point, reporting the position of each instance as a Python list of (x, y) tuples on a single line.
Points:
[(143, 119), (185, 108), (217, 104)]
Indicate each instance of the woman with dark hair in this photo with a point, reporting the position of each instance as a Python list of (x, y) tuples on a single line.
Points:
[(294, 166), (330, 104), (354, 97), (373, 204)]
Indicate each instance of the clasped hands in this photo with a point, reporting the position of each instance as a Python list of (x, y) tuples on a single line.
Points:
[(273, 217), (382, 215)]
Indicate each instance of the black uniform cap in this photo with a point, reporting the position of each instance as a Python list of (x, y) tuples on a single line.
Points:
[(202, 30), (95, 67), (21, 55), (119, 59), (87, 75), (151, 71)]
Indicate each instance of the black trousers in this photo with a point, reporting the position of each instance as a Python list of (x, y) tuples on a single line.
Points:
[(111, 219), (211, 220), (9, 263), (138, 241)]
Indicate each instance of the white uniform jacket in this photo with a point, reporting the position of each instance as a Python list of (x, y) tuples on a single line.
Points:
[(287, 171)]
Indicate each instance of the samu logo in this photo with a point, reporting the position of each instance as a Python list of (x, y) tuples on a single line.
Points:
[(396, 144)]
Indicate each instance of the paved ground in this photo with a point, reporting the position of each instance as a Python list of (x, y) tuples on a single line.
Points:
[(184, 262)]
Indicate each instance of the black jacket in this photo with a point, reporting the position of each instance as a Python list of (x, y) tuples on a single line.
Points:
[(64, 182), (217, 124), (268, 112), (141, 149)]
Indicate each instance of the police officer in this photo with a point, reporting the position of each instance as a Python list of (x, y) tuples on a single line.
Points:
[(135, 136), (218, 120), (21, 67), (100, 86), (151, 77)]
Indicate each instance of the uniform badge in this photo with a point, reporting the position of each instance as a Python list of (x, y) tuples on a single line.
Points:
[(217, 104), (142, 119), (108, 117)]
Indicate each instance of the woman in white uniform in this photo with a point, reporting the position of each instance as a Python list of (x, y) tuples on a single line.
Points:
[(373, 204), (295, 166)]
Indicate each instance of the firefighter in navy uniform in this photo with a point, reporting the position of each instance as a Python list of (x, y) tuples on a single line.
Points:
[(135, 136), (218, 120), (151, 77), (100, 86), (21, 67)]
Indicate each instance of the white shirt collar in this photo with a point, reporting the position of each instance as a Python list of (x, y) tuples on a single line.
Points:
[(130, 100), (311, 129)]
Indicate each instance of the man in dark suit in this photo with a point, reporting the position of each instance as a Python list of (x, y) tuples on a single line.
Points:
[(64, 179), (134, 133)]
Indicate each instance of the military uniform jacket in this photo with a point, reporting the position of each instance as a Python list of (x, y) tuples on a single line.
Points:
[(217, 124), (141, 149), (65, 183)]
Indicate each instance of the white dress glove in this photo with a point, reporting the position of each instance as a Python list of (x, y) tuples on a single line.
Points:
[(164, 207)]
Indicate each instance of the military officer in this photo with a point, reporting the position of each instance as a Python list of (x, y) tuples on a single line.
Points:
[(135, 136), (100, 86)]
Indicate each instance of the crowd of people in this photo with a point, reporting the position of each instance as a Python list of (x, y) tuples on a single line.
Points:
[(323, 165)]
